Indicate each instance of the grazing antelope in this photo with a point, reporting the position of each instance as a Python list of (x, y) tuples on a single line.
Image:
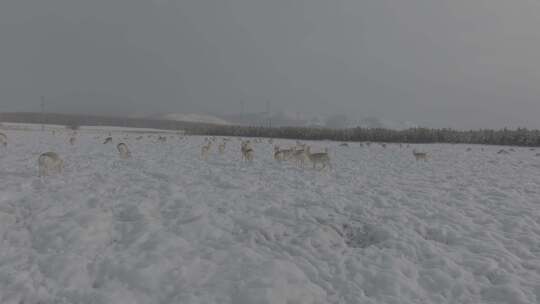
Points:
[(221, 147), (107, 140), (503, 151), (138, 137), (344, 145), (205, 149), (162, 139), (123, 150), (383, 145), (72, 140), (469, 149), (420, 155), (283, 154), (318, 158), (50, 162), (247, 151), (3, 139)]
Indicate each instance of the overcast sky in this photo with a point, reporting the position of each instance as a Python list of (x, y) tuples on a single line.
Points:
[(441, 63)]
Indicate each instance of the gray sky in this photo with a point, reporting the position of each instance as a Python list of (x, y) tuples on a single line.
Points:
[(459, 63)]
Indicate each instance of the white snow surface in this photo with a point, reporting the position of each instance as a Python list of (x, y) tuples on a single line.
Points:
[(167, 227)]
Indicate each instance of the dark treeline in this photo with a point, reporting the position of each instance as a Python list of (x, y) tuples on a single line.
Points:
[(517, 137)]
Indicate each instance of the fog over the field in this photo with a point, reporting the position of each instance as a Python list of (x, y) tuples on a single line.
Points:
[(461, 63)]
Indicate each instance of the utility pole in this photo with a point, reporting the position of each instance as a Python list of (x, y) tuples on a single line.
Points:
[(42, 113), (241, 111), (268, 116)]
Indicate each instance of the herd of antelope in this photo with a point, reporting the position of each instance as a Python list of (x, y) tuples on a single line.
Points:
[(299, 154)]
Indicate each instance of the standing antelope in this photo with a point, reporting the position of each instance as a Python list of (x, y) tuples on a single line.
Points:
[(205, 149), (123, 150), (278, 154), (299, 155), (50, 161), (247, 151), (221, 147), (107, 140), (3, 139), (420, 155), (319, 158)]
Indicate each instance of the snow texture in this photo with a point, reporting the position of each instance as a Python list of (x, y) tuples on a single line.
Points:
[(167, 227)]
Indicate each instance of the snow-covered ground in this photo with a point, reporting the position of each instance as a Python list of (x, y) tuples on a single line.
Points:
[(167, 227)]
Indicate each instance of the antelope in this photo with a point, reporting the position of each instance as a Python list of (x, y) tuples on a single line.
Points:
[(247, 151), (503, 151), (123, 150), (138, 137), (162, 139), (221, 147), (420, 155), (107, 140), (283, 154), (3, 139), (321, 158), (278, 154), (299, 155), (50, 161), (72, 140), (205, 150), (344, 145)]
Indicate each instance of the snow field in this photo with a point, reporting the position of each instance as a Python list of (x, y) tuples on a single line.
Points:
[(167, 227)]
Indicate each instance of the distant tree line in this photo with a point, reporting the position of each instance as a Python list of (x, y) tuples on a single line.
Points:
[(517, 137)]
